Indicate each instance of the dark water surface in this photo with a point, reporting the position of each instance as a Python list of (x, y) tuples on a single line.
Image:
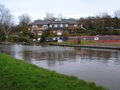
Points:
[(101, 66)]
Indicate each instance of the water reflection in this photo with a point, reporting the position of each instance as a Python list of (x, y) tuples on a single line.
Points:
[(98, 55), (53, 55), (17, 51), (99, 65)]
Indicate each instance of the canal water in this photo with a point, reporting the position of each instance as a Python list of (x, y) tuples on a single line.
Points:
[(101, 66)]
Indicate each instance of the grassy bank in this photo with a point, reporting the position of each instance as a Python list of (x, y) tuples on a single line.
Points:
[(89, 43), (82, 42), (20, 75)]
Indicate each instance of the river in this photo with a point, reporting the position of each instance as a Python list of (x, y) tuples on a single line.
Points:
[(101, 66)]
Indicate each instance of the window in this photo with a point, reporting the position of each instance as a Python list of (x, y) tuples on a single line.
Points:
[(39, 33), (34, 27), (59, 32), (45, 27), (75, 25), (66, 25), (61, 25), (50, 26), (56, 25)]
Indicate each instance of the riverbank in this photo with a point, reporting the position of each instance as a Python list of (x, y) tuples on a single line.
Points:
[(83, 44), (20, 75), (88, 46), (105, 45)]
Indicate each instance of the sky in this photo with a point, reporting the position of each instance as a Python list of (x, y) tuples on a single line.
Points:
[(37, 9)]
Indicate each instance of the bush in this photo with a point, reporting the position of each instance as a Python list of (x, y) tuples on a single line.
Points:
[(24, 39), (43, 38), (13, 39), (18, 39)]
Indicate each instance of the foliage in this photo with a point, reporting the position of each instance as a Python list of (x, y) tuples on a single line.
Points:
[(102, 24), (80, 32), (52, 34), (20, 75), (43, 38), (19, 39), (65, 34), (2, 36), (33, 36), (47, 34), (24, 21), (24, 39), (13, 39)]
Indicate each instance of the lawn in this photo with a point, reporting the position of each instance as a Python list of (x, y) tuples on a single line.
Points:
[(20, 75), (89, 43)]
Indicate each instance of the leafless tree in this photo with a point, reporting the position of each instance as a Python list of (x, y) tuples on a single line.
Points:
[(49, 16), (5, 21), (24, 18), (24, 21), (60, 16), (117, 13)]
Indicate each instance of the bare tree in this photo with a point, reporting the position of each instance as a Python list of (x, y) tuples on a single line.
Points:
[(117, 19), (102, 14), (117, 13), (5, 21), (49, 16), (24, 18), (60, 16), (24, 21)]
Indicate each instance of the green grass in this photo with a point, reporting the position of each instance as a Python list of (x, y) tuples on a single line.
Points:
[(83, 42), (63, 43), (20, 75), (87, 42)]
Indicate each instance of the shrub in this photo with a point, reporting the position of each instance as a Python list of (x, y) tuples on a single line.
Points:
[(13, 39)]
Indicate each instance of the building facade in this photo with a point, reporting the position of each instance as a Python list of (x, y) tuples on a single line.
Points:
[(57, 26)]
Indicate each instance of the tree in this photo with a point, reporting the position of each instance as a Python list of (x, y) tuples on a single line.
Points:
[(104, 20), (117, 19), (117, 13), (24, 21), (49, 16), (5, 22), (100, 24)]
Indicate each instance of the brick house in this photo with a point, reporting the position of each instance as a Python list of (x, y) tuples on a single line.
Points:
[(57, 26)]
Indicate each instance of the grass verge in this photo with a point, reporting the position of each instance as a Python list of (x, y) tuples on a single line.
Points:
[(20, 75), (82, 42)]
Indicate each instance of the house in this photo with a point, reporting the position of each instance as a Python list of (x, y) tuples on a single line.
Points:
[(57, 26), (38, 26)]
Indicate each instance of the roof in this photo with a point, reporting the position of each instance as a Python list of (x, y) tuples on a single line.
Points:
[(41, 22), (62, 21), (71, 21), (58, 22)]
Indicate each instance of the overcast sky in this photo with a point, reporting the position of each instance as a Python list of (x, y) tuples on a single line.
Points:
[(68, 8)]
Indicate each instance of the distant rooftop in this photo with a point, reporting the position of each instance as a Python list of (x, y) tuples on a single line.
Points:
[(41, 22), (63, 21), (70, 21)]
